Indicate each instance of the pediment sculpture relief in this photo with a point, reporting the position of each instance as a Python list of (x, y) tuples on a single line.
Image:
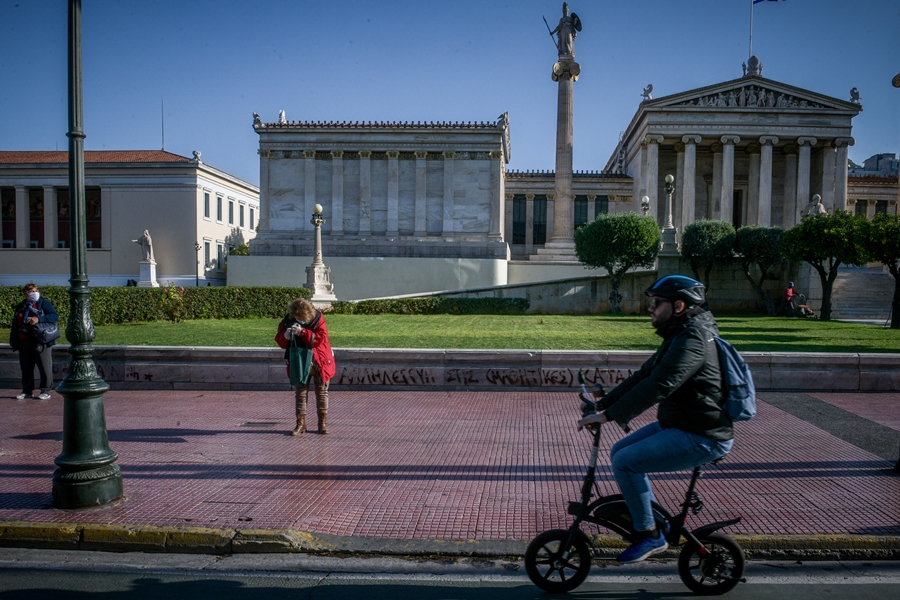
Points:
[(751, 96)]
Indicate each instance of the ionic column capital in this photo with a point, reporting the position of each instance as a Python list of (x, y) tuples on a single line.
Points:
[(752, 148), (679, 147), (652, 139), (790, 149), (715, 148), (768, 140), (730, 139), (841, 142), (691, 139), (802, 141)]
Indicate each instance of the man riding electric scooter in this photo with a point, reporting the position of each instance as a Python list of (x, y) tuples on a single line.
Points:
[(685, 379)]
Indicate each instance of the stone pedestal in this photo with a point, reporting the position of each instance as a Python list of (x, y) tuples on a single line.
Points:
[(318, 282), (148, 274), (669, 242)]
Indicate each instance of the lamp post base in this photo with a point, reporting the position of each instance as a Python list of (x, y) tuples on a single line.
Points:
[(86, 489)]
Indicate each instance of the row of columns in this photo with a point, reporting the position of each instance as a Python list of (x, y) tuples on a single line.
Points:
[(759, 201), (51, 217), (448, 225), (550, 214)]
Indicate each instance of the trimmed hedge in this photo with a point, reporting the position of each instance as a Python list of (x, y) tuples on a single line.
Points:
[(434, 306), (110, 305)]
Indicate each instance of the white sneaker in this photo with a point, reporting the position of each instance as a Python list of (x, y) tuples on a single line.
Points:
[(22, 396), (44, 396)]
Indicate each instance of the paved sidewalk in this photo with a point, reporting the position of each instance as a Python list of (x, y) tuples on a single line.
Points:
[(433, 472)]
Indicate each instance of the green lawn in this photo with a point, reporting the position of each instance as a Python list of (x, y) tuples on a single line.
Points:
[(532, 332)]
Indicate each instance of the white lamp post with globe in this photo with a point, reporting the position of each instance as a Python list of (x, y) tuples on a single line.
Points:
[(317, 274)]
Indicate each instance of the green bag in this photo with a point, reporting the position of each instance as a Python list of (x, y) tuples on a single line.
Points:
[(300, 360)]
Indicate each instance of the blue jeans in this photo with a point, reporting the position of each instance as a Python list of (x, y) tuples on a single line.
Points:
[(652, 449)]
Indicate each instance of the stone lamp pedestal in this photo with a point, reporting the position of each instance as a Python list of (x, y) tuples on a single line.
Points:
[(317, 274)]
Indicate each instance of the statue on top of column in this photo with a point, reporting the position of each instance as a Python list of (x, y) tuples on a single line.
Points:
[(567, 30)]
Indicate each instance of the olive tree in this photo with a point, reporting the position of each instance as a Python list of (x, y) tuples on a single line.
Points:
[(826, 242), (763, 247), (705, 243), (618, 243), (882, 242)]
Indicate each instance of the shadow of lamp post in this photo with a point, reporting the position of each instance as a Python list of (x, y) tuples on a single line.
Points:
[(87, 475)]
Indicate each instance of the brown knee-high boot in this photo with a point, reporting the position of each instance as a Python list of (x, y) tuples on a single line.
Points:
[(300, 400), (321, 400)]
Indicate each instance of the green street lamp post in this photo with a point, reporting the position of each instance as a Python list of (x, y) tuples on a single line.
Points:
[(87, 475)]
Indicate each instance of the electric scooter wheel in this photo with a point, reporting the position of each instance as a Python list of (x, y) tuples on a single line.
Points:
[(554, 568), (717, 572)]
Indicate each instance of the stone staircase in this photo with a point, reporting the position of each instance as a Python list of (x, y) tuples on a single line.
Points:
[(861, 293)]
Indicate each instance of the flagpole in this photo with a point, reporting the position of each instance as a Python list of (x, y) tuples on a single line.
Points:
[(751, 30)]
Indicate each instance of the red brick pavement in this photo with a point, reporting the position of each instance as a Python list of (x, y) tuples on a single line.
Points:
[(425, 465), (879, 408)]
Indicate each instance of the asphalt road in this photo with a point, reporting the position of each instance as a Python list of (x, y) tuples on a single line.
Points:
[(46, 574)]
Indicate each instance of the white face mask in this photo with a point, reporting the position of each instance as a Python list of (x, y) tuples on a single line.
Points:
[(33, 296)]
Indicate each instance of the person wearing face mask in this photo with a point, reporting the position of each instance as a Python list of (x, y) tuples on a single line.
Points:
[(31, 311)]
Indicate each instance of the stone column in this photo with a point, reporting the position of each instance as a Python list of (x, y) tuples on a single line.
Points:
[(529, 223), (550, 216), (497, 192), (841, 145), (790, 210), (689, 182), (365, 193), (652, 142), (592, 208), (565, 73), (337, 191), (508, 218), (805, 144), (23, 218), (678, 197), (309, 182), (828, 178), (421, 195), (447, 206), (393, 199), (714, 209), (51, 224), (727, 193), (870, 208), (753, 185), (263, 191), (766, 143)]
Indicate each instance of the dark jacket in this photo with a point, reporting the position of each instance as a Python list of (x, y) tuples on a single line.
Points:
[(46, 314), (314, 331), (683, 377)]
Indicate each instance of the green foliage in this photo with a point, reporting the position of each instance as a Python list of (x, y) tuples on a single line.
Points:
[(826, 242), (763, 247), (434, 306), (882, 242), (242, 250), (705, 243), (131, 304), (618, 243)]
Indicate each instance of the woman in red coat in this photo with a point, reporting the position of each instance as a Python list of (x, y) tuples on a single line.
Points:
[(308, 325)]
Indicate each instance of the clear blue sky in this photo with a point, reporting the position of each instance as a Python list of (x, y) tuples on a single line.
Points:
[(216, 62)]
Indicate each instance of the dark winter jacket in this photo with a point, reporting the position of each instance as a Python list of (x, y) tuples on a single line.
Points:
[(316, 332), (683, 377), (46, 314)]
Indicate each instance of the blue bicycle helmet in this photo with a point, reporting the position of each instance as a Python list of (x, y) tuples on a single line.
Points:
[(678, 287)]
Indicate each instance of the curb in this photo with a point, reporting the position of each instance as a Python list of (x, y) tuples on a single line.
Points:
[(204, 540)]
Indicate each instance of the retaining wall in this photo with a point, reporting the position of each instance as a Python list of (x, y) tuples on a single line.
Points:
[(180, 368)]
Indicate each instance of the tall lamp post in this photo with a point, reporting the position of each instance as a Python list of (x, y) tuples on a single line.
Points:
[(669, 237), (318, 276), (87, 475), (197, 267)]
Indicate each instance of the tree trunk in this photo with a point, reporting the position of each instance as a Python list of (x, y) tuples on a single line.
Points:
[(770, 304), (615, 298), (895, 303), (827, 278)]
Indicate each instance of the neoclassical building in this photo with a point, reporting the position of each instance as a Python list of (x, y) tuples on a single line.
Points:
[(193, 211), (750, 150)]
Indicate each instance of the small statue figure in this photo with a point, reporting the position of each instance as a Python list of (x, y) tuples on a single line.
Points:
[(648, 92), (282, 120), (854, 96), (146, 245), (196, 158), (814, 208), (567, 30), (257, 122), (754, 67), (744, 68)]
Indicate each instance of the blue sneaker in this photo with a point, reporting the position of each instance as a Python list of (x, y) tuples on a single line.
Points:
[(643, 548)]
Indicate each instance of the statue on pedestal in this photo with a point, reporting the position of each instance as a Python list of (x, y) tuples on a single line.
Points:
[(567, 30), (146, 245), (814, 208)]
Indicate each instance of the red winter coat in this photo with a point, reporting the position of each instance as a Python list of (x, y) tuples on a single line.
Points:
[(323, 357)]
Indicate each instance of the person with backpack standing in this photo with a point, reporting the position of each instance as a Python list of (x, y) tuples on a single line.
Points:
[(685, 379), (307, 325), (32, 353)]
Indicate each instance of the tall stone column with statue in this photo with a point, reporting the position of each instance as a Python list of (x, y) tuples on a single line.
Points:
[(561, 245)]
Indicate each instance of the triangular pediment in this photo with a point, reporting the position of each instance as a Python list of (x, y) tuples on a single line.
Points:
[(752, 92)]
